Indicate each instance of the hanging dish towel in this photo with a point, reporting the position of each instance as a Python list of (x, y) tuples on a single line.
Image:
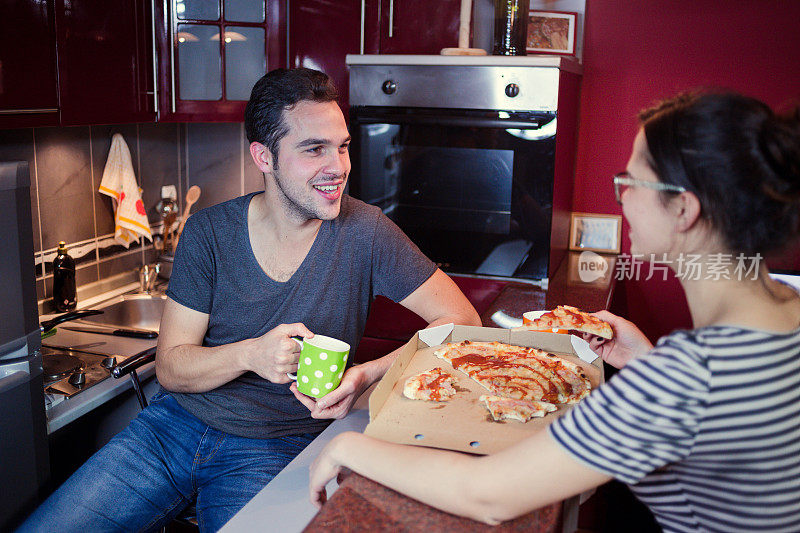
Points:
[(119, 183)]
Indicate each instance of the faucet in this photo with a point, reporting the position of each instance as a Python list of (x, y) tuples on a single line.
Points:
[(148, 274)]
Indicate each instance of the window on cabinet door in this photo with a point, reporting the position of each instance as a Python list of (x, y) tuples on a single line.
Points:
[(245, 10), (221, 48), (199, 63), (245, 59)]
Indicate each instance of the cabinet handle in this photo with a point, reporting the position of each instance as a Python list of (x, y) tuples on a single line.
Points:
[(155, 56), (27, 111), (172, 28), (363, 8), (391, 17)]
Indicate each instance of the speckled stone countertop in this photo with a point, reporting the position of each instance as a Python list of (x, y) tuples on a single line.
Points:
[(363, 505)]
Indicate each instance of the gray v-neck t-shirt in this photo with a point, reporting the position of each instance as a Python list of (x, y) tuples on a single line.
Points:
[(355, 257)]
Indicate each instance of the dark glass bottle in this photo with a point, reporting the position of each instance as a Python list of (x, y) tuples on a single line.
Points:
[(510, 27), (64, 293)]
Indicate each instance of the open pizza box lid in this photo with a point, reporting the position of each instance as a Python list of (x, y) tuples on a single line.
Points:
[(462, 423)]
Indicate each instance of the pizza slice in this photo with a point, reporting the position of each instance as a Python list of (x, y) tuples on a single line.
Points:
[(572, 318), (571, 380), (510, 409), (434, 385), (518, 372)]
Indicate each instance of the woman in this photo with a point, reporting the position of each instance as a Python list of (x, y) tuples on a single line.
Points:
[(706, 425)]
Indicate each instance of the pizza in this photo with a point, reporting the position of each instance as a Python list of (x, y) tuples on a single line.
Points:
[(510, 409), (434, 385), (517, 372), (572, 318)]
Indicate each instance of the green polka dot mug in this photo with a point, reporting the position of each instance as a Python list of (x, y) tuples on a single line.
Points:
[(321, 365)]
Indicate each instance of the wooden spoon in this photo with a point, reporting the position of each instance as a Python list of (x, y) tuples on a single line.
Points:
[(463, 35), (192, 195)]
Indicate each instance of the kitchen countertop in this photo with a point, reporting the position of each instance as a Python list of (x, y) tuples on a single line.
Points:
[(380, 509), (65, 410), (70, 409), (359, 504), (541, 60), (283, 505)]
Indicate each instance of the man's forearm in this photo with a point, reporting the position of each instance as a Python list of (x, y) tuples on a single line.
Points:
[(191, 368)]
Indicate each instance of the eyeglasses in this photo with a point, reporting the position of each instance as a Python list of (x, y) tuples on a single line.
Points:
[(623, 180)]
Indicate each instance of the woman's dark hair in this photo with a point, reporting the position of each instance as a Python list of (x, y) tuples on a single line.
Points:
[(279, 90), (739, 158)]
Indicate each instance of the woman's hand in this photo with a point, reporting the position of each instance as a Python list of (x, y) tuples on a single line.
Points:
[(338, 402), (628, 342), (323, 469)]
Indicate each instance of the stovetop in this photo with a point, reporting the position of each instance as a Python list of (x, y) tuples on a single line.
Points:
[(68, 372)]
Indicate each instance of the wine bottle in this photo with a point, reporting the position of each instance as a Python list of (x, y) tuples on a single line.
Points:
[(64, 292), (510, 27)]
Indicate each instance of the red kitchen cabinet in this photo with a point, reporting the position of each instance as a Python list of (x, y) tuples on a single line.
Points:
[(322, 33), (105, 61), (211, 52), (194, 67), (28, 84), (72, 62), (418, 26)]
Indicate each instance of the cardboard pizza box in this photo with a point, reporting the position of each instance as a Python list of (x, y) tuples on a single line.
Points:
[(462, 423)]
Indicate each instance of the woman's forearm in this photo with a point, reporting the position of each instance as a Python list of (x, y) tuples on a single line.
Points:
[(435, 477), (531, 474)]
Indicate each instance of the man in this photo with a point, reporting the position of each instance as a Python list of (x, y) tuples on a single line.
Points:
[(249, 274)]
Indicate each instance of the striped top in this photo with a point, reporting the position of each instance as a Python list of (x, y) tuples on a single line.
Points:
[(705, 428)]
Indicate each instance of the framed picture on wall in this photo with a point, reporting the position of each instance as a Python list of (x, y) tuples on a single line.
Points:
[(595, 233), (551, 32)]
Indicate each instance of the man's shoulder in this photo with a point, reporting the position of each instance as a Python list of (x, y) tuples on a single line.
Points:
[(355, 211), (224, 212)]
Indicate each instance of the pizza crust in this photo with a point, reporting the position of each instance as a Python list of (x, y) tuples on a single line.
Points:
[(571, 318), (509, 409)]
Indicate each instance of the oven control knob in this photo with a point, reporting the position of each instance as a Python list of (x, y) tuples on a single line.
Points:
[(77, 379), (109, 362), (389, 87), (512, 90)]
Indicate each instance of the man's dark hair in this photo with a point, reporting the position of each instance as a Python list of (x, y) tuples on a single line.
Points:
[(279, 90)]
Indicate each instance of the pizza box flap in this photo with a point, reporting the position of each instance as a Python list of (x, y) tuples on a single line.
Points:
[(462, 423), (384, 388)]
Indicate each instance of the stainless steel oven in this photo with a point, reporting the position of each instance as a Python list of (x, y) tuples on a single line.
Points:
[(461, 156)]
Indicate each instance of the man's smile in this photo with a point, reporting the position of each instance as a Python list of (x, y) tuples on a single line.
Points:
[(330, 191)]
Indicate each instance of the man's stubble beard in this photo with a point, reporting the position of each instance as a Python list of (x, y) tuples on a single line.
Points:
[(305, 211)]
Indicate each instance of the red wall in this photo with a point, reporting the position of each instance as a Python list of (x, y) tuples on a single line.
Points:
[(636, 53)]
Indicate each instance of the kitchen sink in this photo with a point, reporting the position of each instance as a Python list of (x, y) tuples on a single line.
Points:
[(141, 311)]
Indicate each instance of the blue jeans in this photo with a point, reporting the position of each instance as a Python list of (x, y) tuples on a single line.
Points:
[(148, 473)]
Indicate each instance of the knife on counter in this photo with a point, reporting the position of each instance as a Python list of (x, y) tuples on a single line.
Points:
[(119, 332)]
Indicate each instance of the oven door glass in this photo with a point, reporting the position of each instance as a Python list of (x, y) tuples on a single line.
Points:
[(473, 189)]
